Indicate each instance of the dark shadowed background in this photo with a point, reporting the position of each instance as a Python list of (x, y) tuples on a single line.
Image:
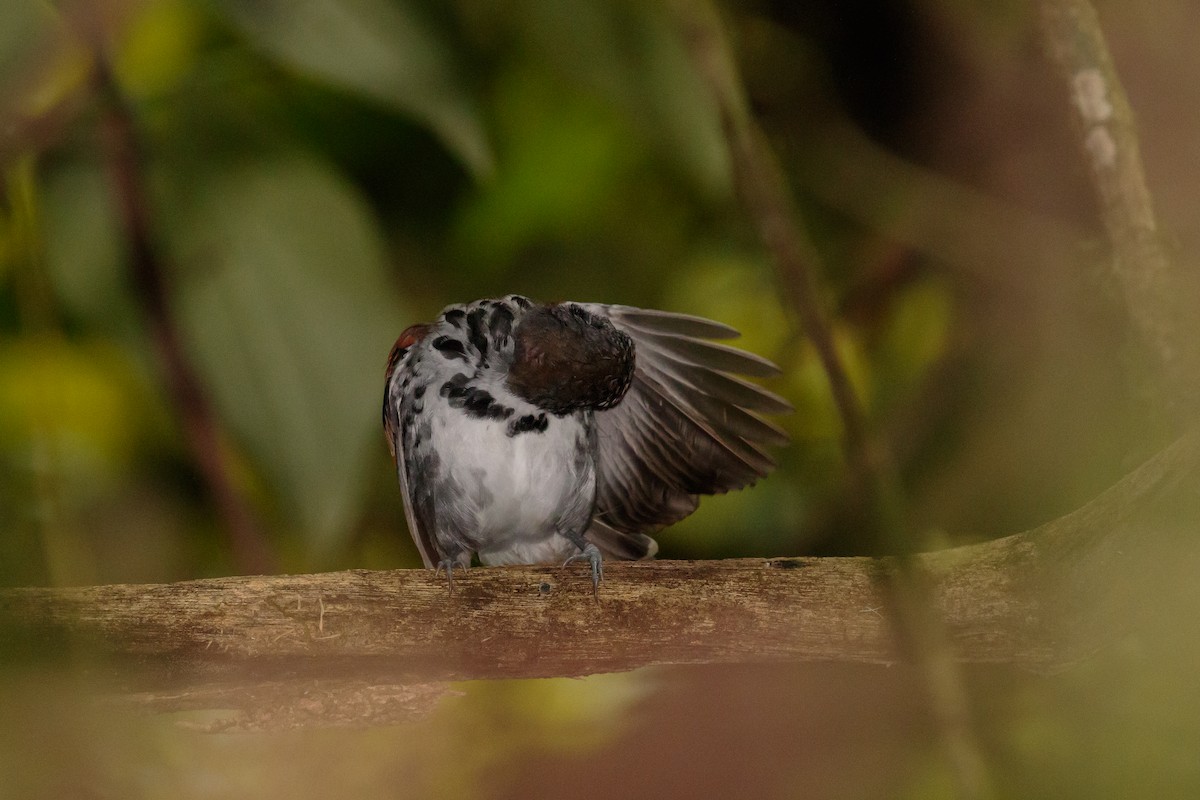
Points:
[(320, 174)]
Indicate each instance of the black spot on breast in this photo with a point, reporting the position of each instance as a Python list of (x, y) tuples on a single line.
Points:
[(477, 402), (499, 412), (474, 401), (456, 384), (450, 348), (522, 302), (419, 392), (530, 423), (455, 317)]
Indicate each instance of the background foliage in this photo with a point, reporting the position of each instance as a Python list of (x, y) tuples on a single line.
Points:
[(323, 173)]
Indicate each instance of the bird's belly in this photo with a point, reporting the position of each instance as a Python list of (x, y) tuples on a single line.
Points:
[(517, 495)]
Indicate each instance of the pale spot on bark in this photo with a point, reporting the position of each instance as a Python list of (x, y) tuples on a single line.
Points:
[(1099, 143), (1091, 96)]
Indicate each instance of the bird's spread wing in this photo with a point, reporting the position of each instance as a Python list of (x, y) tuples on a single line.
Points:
[(688, 426)]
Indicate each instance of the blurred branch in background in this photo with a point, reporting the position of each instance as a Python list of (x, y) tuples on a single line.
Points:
[(288, 650), (972, 233), (1105, 122), (765, 193), (249, 548)]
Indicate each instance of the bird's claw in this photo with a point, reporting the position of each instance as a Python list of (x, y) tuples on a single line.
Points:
[(590, 554), (447, 564)]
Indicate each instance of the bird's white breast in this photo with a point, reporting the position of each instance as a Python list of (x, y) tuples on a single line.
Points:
[(516, 489)]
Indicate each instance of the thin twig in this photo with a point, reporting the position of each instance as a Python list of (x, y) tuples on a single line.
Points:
[(251, 553), (768, 202)]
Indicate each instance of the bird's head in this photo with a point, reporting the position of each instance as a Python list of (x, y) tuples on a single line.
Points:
[(567, 359)]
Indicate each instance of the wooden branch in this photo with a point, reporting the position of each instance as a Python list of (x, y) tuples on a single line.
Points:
[(364, 646), (536, 621)]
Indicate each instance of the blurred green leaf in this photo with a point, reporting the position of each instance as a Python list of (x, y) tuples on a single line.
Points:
[(85, 401), (82, 246), (285, 302), (159, 47), (564, 154), (383, 50), (817, 416), (632, 54), (914, 338)]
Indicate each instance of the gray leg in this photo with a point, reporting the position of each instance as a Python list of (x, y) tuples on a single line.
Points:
[(462, 561), (590, 553)]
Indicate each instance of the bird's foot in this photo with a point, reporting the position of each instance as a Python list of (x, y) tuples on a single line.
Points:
[(590, 554), (448, 564)]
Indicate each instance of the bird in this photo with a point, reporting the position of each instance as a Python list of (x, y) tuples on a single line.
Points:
[(533, 433)]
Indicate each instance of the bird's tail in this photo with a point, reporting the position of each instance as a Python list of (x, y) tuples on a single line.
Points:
[(619, 544)]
